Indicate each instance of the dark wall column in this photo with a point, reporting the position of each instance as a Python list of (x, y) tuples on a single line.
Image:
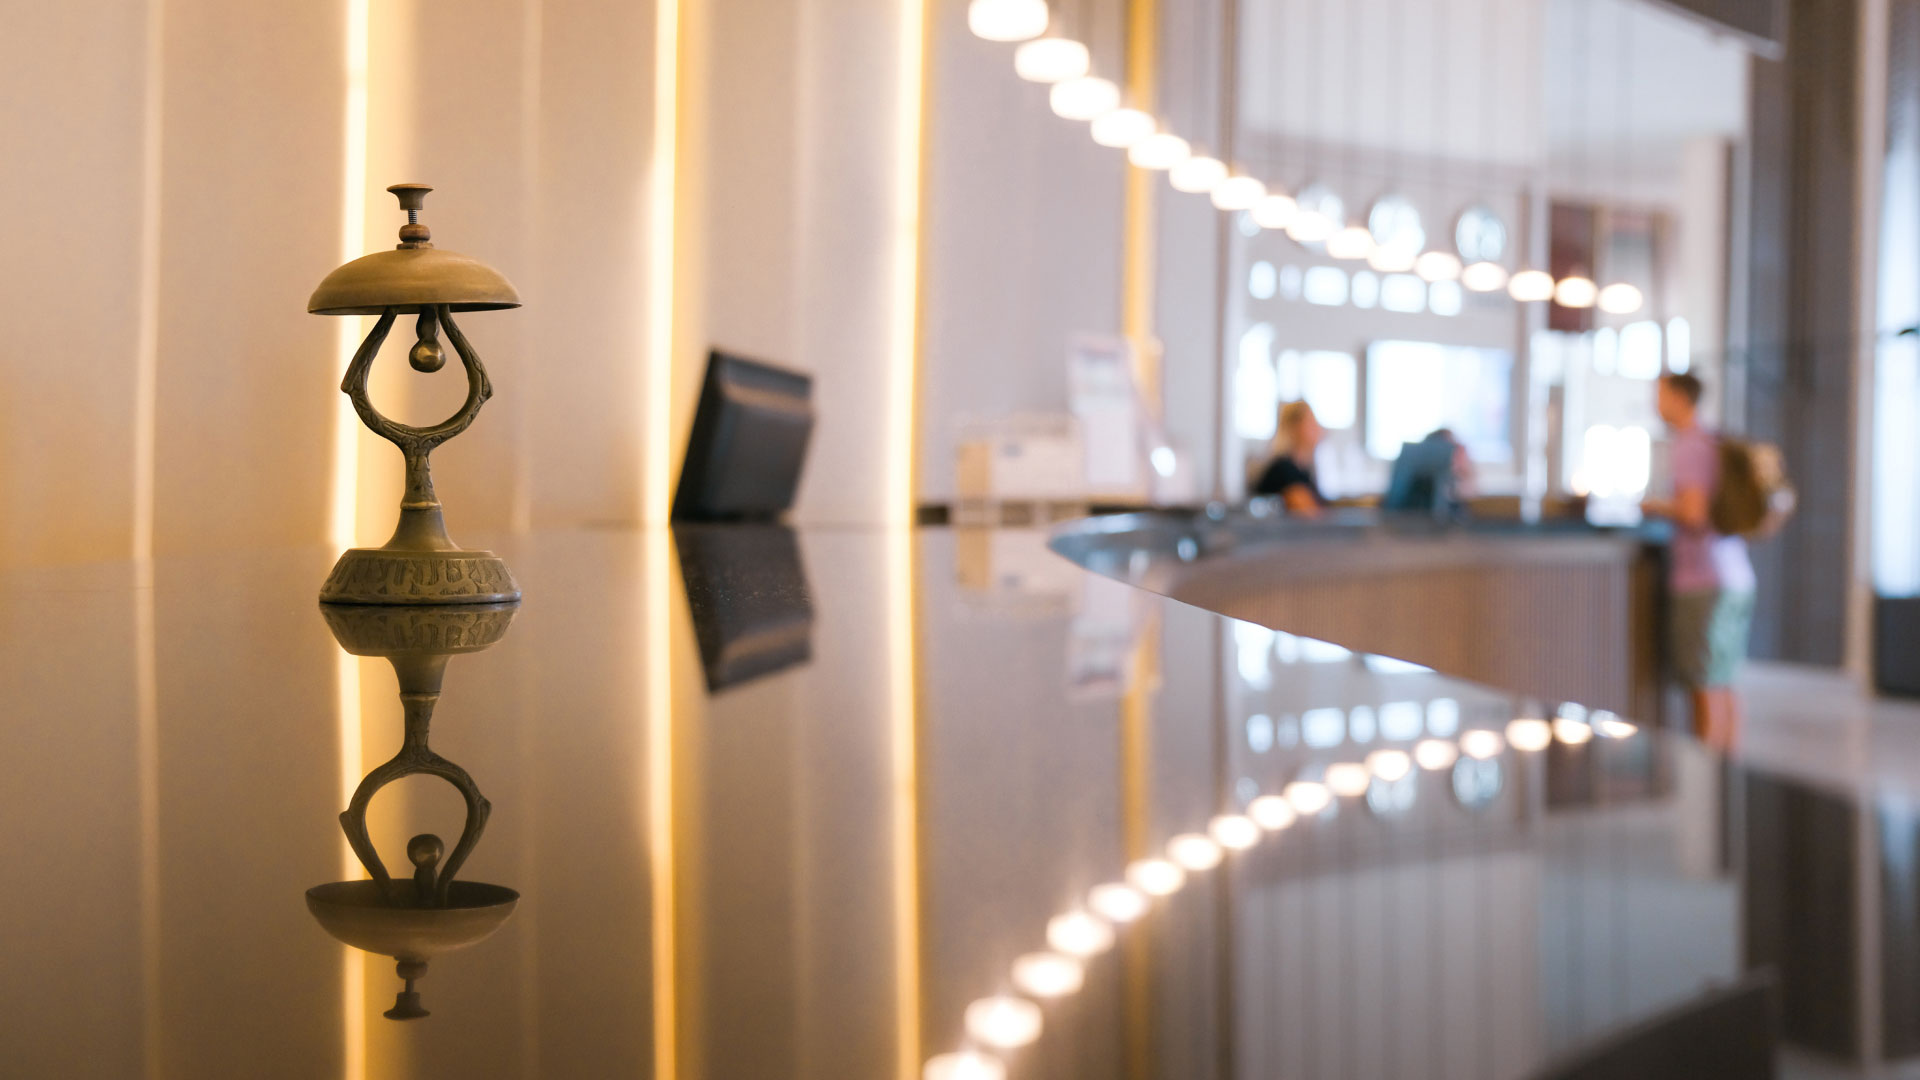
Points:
[(1799, 369)]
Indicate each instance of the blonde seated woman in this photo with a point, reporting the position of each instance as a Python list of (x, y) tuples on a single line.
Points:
[(1289, 473)]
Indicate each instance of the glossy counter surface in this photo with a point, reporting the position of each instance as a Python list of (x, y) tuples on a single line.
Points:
[(785, 804)]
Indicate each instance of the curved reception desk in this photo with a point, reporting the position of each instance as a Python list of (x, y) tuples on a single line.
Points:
[(1557, 612), (904, 803)]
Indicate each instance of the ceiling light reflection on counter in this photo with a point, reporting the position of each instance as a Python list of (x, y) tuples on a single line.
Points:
[(1048, 975), (1195, 852), (1234, 832), (1003, 1021), (1352, 242), (1389, 765), (1310, 227), (965, 1065), (1051, 60), (1238, 193), (1197, 175), (1117, 902), (1575, 292), (1348, 778), (1620, 298), (1481, 744), (1435, 754), (1306, 797), (1275, 211), (1162, 150), (1084, 98), (1122, 128), (1484, 277), (1007, 20), (1529, 734), (1530, 285), (1571, 732), (1438, 266), (1156, 877), (1272, 813), (1077, 933), (1612, 726)]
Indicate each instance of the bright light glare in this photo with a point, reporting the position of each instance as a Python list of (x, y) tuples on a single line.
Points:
[(1352, 242), (1162, 150), (1530, 285), (1392, 258), (1348, 778), (1194, 851), (1051, 60), (1484, 277), (1613, 727), (1238, 193), (1077, 933), (1435, 754), (1275, 211), (1116, 902), (1310, 227), (1083, 98), (1481, 743), (1575, 292), (1306, 797), (1272, 813), (1007, 20), (1156, 877), (1571, 732), (1048, 975), (1122, 128), (1620, 298), (1438, 266), (1003, 1021), (1197, 175), (1389, 765), (965, 1065), (1234, 832), (1529, 734)]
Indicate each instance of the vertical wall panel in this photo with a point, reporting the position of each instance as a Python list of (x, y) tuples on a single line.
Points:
[(71, 277), (250, 221)]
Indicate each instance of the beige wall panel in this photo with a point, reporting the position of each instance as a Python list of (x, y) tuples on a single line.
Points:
[(587, 358), (1023, 244), (250, 222), (71, 180)]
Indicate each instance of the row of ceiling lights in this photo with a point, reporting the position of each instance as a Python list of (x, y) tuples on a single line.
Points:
[(1077, 94), (1006, 1021)]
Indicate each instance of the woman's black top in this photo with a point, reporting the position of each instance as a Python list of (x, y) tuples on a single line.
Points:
[(1282, 473)]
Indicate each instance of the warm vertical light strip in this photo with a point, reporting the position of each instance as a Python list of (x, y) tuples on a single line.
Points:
[(146, 386), (1137, 247), (341, 524), (146, 356), (903, 713), (901, 454), (656, 454), (353, 239), (910, 96), (353, 962), (662, 241), (657, 699)]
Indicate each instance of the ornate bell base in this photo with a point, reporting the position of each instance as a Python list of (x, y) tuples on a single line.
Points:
[(396, 576)]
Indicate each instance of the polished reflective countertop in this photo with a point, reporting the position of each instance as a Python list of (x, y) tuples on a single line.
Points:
[(821, 803)]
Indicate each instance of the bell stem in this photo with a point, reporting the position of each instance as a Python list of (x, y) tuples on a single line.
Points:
[(421, 526)]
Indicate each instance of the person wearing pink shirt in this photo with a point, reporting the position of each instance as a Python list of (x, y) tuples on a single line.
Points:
[(1710, 583)]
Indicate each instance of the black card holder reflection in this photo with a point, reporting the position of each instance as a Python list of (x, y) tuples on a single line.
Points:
[(747, 589)]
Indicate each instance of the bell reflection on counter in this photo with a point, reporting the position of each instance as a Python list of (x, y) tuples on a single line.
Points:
[(415, 921), (747, 590)]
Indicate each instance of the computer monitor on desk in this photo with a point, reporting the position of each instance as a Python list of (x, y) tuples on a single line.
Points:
[(1423, 477), (749, 440)]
